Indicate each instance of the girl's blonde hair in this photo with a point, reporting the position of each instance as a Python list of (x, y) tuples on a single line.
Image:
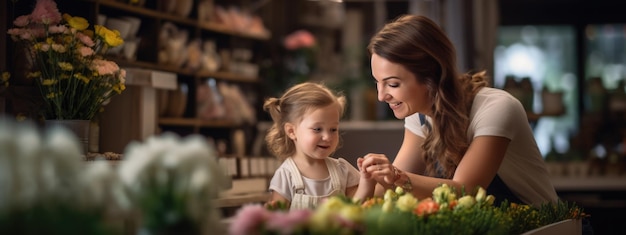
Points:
[(291, 107)]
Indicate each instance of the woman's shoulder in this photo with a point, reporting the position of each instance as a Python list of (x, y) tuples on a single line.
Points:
[(489, 96)]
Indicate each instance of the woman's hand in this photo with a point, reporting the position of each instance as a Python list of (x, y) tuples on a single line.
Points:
[(377, 166)]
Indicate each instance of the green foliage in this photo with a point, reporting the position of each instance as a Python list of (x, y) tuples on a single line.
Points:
[(525, 218)]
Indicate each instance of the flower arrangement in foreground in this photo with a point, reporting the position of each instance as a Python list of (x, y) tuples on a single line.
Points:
[(401, 213), (67, 59), (165, 185), (45, 188), (171, 182)]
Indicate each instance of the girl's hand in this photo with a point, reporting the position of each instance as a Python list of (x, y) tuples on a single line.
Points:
[(277, 205), (364, 173)]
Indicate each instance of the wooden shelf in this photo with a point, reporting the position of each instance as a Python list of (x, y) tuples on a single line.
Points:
[(209, 26), (194, 122), (593, 183), (226, 76), (239, 200)]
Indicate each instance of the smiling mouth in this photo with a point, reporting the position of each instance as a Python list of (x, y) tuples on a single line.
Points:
[(394, 105)]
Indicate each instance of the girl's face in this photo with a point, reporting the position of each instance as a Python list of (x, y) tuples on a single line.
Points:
[(399, 88), (317, 134)]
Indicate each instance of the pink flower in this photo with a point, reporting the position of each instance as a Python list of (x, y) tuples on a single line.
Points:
[(27, 35), (287, 222), (15, 32), (57, 29), (299, 39), (44, 47), (85, 39), (46, 12), (86, 51), (104, 67), (248, 220), (22, 21)]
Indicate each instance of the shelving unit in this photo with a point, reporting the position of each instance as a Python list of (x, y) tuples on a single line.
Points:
[(153, 16)]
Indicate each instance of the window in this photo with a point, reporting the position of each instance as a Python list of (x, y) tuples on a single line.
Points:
[(547, 56)]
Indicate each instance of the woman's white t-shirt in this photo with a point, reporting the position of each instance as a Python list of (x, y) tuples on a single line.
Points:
[(496, 113)]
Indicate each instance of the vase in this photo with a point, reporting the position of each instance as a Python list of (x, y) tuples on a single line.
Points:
[(80, 129)]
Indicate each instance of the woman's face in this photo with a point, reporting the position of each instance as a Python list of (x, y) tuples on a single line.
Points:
[(399, 88)]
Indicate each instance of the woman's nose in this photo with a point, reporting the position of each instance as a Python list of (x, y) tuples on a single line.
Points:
[(382, 94)]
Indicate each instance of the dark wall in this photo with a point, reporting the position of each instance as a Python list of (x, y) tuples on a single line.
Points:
[(520, 12)]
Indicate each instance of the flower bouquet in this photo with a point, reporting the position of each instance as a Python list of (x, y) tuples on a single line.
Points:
[(401, 213), (165, 185), (67, 61), (171, 183), (46, 188)]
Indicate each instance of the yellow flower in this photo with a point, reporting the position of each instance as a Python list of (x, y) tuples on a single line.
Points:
[(390, 195), (387, 206), (119, 88), (351, 213), (111, 37), (466, 201), (444, 194), (76, 22), (88, 32), (51, 95), (66, 66), (490, 199), (63, 55), (35, 74), (49, 82), (59, 48), (481, 194), (82, 77), (406, 202), (4, 81)]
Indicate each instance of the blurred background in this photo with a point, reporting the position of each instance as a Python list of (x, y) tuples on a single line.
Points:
[(211, 63)]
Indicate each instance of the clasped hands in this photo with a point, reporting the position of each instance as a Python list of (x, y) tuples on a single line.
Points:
[(377, 167)]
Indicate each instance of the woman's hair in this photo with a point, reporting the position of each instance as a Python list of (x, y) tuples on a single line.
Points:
[(292, 107), (422, 47)]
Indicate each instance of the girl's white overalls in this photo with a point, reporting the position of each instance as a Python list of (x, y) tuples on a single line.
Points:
[(302, 201)]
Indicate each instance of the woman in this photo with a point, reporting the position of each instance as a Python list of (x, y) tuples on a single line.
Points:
[(458, 130)]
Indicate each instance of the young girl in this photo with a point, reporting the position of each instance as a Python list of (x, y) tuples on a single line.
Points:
[(304, 135)]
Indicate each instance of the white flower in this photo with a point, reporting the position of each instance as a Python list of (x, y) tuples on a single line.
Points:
[(102, 186), (62, 146), (185, 168), (37, 166)]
